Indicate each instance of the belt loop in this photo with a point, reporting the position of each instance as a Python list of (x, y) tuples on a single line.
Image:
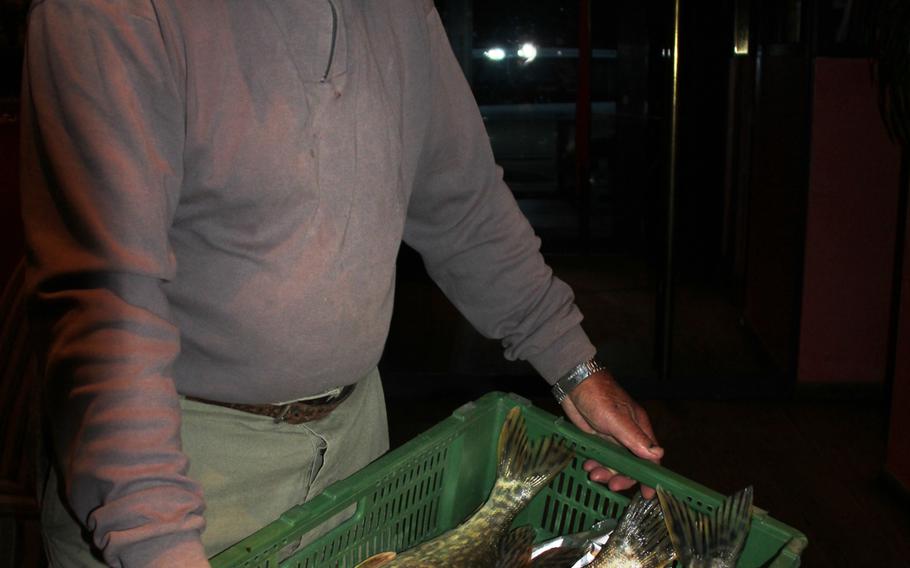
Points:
[(284, 413)]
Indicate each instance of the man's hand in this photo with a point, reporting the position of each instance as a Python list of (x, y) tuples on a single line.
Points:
[(600, 406)]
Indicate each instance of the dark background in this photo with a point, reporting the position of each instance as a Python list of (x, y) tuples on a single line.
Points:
[(764, 334)]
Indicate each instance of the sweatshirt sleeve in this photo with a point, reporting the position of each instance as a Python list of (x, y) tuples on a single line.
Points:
[(474, 240), (102, 136)]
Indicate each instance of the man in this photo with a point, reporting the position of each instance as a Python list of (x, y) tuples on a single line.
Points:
[(214, 194)]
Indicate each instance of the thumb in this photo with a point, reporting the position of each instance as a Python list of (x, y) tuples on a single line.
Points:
[(631, 435)]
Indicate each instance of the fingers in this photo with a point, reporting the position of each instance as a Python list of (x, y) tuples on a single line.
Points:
[(613, 479), (607, 476), (591, 465)]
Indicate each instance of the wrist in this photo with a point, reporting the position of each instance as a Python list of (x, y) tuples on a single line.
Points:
[(577, 375)]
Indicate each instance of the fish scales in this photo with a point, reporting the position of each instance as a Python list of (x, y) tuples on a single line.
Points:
[(640, 540), (524, 469)]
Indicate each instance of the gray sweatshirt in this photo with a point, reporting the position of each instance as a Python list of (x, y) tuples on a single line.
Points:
[(215, 193)]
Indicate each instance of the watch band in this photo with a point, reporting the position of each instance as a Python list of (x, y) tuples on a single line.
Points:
[(573, 378)]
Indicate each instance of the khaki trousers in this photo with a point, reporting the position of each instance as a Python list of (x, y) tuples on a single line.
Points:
[(251, 469)]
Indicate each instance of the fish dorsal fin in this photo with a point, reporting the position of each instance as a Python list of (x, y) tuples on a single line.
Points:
[(377, 560), (641, 538), (533, 465), (515, 548), (698, 537)]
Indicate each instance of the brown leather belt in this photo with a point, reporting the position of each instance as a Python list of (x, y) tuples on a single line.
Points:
[(293, 412)]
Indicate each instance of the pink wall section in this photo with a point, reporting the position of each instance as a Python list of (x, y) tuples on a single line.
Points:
[(850, 230)]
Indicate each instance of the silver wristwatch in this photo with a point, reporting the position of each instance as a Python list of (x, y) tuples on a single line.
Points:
[(573, 378)]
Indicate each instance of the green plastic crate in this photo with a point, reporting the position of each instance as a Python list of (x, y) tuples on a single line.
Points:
[(439, 478)]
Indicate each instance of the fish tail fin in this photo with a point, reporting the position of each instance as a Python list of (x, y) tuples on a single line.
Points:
[(733, 520), (641, 536), (697, 536), (533, 465), (685, 527)]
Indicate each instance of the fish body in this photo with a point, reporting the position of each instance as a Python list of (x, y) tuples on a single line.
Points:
[(588, 543), (640, 540), (708, 541), (485, 538)]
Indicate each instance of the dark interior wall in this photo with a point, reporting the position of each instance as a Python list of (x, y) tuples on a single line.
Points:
[(12, 33), (12, 30), (10, 222), (897, 463), (776, 207), (737, 167), (851, 219), (706, 43), (822, 204)]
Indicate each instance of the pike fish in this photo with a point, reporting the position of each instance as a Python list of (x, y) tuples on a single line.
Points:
[(651, 534), (640, 540), (484, 539), (708, 541)]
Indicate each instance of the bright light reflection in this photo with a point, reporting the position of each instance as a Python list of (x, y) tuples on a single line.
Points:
[(528, 52), (496, 54)]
